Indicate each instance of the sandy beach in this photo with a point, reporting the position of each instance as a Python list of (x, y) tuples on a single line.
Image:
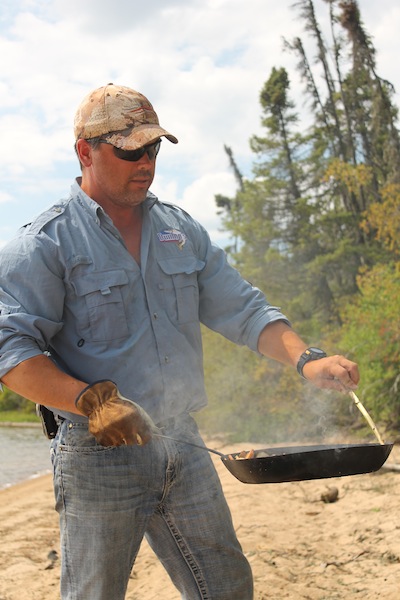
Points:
[(299, 547)]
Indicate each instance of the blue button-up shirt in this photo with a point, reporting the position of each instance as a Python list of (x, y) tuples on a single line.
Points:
[(69, 287)]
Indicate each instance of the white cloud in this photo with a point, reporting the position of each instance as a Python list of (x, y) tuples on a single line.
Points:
[(5, 197), (28, 146), (201, 62), (198, 199), (105, 17)]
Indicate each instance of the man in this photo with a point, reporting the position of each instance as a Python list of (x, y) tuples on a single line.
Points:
[(101, 302)]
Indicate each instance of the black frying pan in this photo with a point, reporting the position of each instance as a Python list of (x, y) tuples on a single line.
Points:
[(298, 463)]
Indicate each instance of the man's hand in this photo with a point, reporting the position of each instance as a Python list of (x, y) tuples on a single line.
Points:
[(113, 419), (278, 341), (333, 372)]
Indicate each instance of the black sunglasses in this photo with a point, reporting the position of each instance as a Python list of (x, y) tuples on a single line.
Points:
[(134, 155)]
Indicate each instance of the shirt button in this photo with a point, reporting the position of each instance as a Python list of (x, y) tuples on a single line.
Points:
[(166, 359), (155, 315)]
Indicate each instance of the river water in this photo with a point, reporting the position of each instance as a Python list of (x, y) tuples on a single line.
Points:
[(24, 453)]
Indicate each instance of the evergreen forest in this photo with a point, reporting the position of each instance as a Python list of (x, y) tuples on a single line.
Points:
[(317, 227)]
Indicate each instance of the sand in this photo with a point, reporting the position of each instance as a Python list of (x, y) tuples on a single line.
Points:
[(299, 547)]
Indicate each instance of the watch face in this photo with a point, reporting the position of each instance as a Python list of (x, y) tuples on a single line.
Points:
[(308, 355), (316, 350)]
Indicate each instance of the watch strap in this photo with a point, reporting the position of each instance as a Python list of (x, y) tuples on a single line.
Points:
[(309, 355)]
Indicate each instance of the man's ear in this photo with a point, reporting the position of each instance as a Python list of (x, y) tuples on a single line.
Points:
[(84, 151)]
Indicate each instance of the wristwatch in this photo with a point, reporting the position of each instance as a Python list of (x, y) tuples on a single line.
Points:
[(307, 356)]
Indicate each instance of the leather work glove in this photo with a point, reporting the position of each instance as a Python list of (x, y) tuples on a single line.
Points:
[(113, 419)]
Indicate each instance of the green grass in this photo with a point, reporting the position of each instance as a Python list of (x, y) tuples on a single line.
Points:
[(18, 416)]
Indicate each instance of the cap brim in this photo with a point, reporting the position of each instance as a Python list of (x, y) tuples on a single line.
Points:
[(139, 136)]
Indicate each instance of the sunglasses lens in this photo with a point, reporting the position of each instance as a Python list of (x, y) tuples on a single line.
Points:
[(132, 155), (135, 155)]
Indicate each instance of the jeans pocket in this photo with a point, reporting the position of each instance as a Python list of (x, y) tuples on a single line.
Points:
[(76, 436)]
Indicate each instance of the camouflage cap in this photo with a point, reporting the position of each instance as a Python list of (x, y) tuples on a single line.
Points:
[(121, 114)]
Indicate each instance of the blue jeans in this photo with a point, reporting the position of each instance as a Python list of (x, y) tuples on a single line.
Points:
[(108, 499)]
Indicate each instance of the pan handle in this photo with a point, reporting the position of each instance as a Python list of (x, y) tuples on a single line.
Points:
[(168, 437)]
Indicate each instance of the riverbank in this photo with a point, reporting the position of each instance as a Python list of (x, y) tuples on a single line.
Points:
[(24, 453), (299, 547), (24, 424)]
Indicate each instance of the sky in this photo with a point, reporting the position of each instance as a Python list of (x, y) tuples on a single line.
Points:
[(202, 64)]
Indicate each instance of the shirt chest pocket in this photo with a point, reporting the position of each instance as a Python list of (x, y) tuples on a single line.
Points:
[(104, 317), (179, 282)]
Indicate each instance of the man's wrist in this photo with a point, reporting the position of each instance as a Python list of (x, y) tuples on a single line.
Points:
[(307, 356)]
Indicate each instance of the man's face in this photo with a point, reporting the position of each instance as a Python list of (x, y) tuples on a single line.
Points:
[(110, 180)]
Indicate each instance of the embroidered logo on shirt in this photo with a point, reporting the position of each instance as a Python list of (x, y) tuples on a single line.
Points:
[(172, 235)]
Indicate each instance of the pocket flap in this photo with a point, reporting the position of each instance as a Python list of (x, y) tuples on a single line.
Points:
[(184, 264), (99, 281)]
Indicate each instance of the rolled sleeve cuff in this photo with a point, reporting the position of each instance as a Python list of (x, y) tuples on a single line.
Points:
[(270, 315), (12, 357)]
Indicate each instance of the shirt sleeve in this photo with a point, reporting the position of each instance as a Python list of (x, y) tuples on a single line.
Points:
[(229, 304), (31, 299)]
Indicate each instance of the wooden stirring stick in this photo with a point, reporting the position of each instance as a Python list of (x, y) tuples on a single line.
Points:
[(367, 417)]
